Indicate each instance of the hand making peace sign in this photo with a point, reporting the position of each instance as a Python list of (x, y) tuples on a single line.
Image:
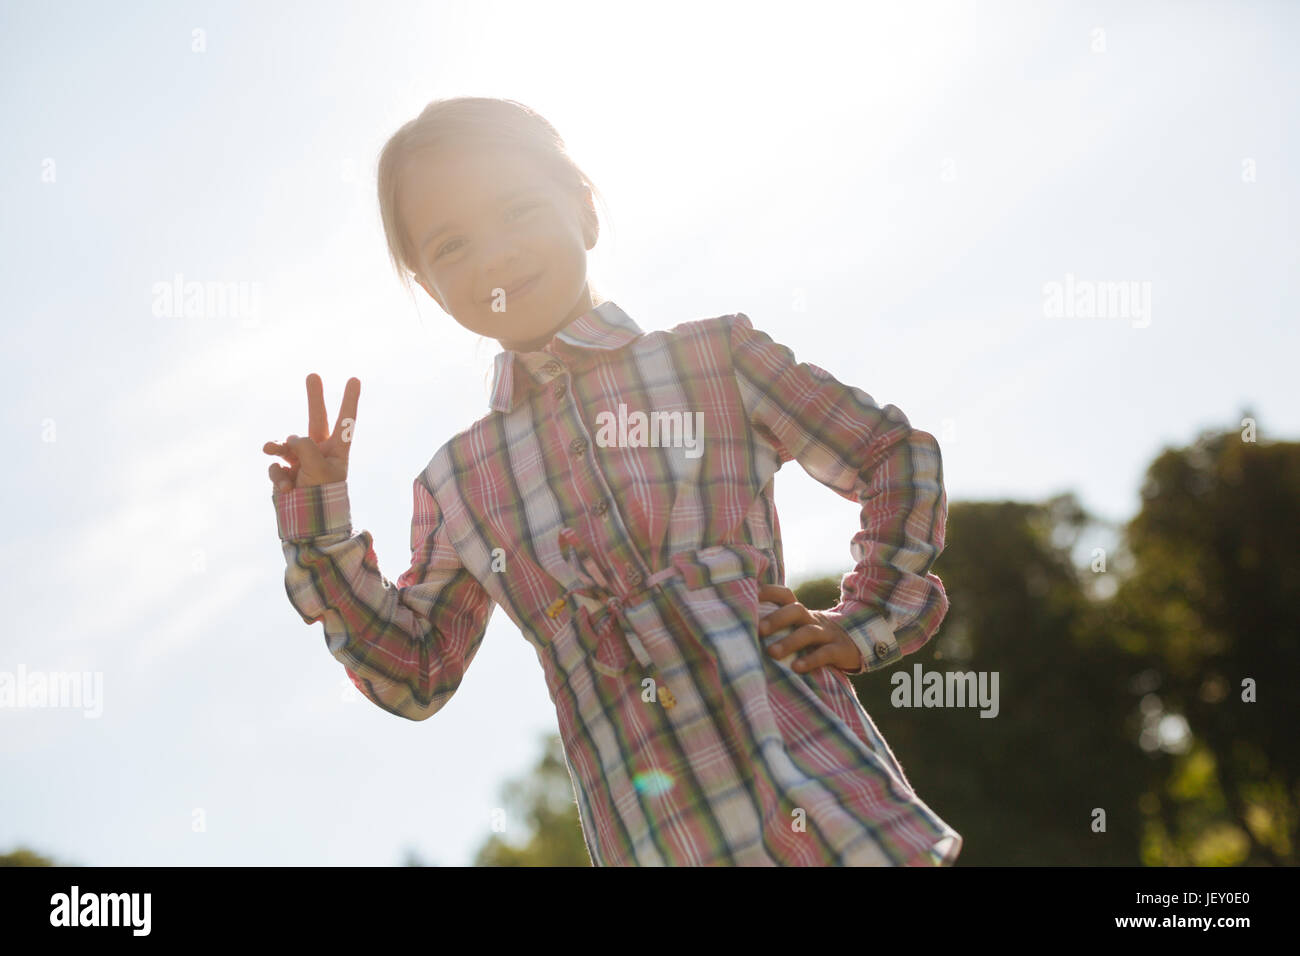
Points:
[(322, 457)]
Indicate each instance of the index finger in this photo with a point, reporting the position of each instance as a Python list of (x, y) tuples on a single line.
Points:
[(776, 594), (348, 410), (317, 426)]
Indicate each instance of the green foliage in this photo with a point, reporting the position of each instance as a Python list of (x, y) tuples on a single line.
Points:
[(545, 801), (1132, 703), (21, 856), (1216, 596)]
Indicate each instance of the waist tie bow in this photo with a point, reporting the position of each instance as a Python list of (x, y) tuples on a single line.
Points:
[(699, 568), (597, 595)]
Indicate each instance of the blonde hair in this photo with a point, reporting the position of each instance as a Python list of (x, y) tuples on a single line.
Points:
[(472, 121)]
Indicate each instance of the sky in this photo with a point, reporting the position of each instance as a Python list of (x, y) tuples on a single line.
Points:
[(900, 193)]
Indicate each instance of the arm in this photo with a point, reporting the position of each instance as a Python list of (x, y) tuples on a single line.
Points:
[(406, 647), (890, 604)]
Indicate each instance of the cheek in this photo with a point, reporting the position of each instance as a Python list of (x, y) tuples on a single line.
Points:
[(449, 281), (552, 230)]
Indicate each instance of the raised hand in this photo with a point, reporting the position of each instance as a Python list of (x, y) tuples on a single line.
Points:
[(321, 457)]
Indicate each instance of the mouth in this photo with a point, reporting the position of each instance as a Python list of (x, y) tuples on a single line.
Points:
[(518, 288)]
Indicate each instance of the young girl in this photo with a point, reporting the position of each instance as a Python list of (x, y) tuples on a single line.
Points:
[(617, 503)]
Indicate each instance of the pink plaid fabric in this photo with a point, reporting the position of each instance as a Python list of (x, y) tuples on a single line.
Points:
[(617, 503)]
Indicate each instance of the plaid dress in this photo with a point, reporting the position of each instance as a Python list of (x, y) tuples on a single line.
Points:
[(617, 504)]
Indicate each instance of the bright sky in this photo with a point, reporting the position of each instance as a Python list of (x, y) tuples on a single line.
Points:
[(913, 176)]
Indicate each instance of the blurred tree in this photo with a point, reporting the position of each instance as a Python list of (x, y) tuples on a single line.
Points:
[(21, 856), (546, 802), (1212, 611), (413, 858), (1021, 787)]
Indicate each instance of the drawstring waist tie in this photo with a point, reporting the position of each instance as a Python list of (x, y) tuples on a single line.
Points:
[(698, 568)]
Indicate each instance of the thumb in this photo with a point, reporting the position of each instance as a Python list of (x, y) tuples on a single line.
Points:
[(309, 455)]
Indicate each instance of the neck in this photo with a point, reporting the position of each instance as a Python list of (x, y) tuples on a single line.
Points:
[(581, 308), (536, 343)]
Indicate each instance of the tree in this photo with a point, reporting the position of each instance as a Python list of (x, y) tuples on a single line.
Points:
[(546, 802), (1022, 787), (1213, 612), (22, 856)]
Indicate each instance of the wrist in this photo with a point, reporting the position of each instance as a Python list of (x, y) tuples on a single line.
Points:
[(870, 632), (312, 511)]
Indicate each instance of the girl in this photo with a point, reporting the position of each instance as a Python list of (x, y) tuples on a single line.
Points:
[(617, 502)]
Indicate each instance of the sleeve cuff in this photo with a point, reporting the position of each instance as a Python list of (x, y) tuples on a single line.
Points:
[(871, 634), (313, 511)]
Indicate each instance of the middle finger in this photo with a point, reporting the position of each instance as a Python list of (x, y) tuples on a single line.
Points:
[(776, 594), (787, 616), (803, 637)]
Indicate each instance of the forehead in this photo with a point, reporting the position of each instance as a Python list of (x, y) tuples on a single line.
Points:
[(455, 187)]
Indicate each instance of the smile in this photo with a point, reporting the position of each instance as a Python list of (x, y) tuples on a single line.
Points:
[(522, 288)]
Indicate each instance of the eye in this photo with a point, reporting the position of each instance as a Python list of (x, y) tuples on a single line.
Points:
[(524, 206), (445, 247), (449, 245)]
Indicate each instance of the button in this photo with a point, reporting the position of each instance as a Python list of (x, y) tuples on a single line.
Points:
[(578, 446), (882, 649), (666, 698), (560, 389), (551, 368), (601, 506), (634, 577)]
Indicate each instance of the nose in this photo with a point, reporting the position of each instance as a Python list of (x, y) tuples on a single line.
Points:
[(501, 261)]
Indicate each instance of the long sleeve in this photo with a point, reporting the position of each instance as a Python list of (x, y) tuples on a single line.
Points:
[(405, 647), (891, 604)]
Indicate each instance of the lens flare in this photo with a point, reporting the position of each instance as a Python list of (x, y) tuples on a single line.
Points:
[(653, 782)]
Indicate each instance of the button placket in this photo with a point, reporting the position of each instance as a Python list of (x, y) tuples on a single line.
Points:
[(611, 541)]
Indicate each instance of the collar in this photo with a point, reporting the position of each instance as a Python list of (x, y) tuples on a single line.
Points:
[(605, 328)]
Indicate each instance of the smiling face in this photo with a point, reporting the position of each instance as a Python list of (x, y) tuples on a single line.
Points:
[(483, 223)]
